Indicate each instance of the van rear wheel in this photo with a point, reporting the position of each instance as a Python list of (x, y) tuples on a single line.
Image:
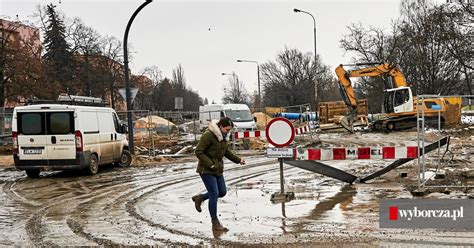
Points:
[(125, 159), (33, 173), (93, 165)]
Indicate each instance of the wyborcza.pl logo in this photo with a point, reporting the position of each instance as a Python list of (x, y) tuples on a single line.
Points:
[(429, 213), (410, 214)]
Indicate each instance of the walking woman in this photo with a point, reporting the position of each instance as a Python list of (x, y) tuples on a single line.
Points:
[(211, 149)]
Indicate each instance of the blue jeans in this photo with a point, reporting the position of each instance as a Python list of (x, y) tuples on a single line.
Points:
[(216, 188)]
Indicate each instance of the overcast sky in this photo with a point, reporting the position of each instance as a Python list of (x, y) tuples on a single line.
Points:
[(207, 37)]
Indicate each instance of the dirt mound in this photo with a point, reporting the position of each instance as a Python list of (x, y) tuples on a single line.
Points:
[(152, 122), (6, 161), (262, 120)]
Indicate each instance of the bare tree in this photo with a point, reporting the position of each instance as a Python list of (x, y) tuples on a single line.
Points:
[(368, 45), (144, 98), (111, 66), (235, 91), (86, 48), (290, 80), (432, 68), (456, 24), (154, 74), (21, 68), (427, 42), (178, 81), (191, 100)]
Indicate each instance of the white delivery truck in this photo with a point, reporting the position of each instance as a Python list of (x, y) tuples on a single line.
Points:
[(64, 136), (239, 114)]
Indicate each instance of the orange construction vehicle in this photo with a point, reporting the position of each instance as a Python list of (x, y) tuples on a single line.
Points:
[(399, 105)]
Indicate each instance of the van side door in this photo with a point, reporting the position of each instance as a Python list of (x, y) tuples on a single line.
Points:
[(90, 126), (60, 139), (118, 136), (106, 136)]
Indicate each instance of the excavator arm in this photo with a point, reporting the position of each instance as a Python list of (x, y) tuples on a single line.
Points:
[(349, 97), (398, 79), (347, 92)]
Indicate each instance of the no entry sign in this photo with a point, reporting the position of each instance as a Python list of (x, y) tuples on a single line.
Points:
[(280, 132)]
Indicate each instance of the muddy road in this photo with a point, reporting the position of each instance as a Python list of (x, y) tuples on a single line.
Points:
[(152, 206)]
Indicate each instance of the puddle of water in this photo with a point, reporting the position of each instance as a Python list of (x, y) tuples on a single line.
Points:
[(246, 209)]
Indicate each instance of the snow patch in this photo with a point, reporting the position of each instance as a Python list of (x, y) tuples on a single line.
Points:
[(428, 175), (467, 119)]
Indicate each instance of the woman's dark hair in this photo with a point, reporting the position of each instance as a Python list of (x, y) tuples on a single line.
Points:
[(225, 122)]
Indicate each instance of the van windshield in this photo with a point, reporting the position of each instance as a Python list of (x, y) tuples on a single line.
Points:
[(239, 115)]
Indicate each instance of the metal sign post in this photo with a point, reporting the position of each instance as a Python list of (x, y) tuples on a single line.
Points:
[(280, 133), (282, 184)]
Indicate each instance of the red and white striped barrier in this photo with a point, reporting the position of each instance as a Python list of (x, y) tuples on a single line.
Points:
[(386, 152), (342, 153), (249, 134), (301, 130)]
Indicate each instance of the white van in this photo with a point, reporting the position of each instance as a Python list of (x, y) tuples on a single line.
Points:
[(62, 137), (239, 114)]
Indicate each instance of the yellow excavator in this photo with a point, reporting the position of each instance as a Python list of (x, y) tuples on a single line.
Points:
[(399, 105)]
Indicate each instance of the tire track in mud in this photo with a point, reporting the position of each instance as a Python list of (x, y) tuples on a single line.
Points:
[(102, 188), (8, 189), (37, 227), (116, 203), (130, 206), (120, 199), (77, 229)]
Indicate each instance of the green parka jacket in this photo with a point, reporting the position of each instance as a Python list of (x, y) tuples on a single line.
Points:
[(211, 149)]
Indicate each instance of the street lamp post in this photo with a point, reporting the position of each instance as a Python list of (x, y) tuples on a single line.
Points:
[(127, 79), (258, 80), (235, 79), (315, 56)]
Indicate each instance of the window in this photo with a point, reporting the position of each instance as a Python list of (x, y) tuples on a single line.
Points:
[(429, 105), (239, 115), (116, 123), (60, 122), (31, 123), (401, 97), (388, 102)]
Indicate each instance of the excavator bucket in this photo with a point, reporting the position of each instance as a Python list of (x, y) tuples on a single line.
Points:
[(347, 121)]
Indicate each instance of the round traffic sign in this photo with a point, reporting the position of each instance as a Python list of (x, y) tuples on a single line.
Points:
[(280, 132)]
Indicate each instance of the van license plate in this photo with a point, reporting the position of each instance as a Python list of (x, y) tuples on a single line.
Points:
[(32, 151)]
